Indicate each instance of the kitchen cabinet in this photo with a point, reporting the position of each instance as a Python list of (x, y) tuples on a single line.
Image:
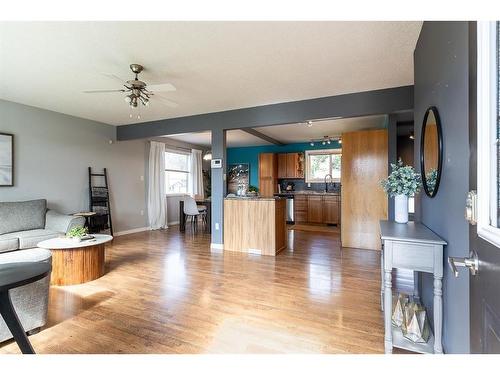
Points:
[(291, 165), (255, 225), (282, 171), (331, 209), (300, 208), (268, 174), (364, 203), (315, 209)]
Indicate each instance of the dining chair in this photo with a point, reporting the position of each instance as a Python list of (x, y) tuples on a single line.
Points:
[(193, 211)]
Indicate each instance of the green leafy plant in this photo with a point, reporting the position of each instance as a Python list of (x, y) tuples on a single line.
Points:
[(430, 179), (403, 180), (78, 232), (252, 189)]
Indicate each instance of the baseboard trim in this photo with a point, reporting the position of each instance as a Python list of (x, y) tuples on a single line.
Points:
[(130, 231), (216, 247), (254, 251), (174, 223)]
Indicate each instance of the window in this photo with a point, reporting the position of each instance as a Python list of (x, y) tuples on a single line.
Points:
[(176, 172), (321, 163), (488, 132)]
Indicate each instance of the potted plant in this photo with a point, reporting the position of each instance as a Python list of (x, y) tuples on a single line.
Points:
[(402, 183), (252, 191), (77, 233)]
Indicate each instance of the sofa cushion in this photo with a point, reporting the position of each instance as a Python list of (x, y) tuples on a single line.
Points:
[(30, 238), (20, 216), (8, 243)]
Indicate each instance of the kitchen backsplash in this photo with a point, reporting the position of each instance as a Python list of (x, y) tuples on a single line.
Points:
[(300, 185)]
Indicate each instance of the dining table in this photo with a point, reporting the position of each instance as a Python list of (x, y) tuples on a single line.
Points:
[(200, 202)]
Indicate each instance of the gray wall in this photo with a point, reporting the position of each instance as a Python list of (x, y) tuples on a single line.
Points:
[(441, 79), (53, 152)]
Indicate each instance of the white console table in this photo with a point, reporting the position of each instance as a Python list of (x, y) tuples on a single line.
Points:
[(415, 247)]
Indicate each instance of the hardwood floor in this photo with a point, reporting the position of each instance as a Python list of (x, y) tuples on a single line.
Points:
[(165, 292)]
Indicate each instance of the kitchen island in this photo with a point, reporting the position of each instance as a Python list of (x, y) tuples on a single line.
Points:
[(255, 225)]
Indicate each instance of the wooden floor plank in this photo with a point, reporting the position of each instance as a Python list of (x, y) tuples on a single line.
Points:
[(165, 292)]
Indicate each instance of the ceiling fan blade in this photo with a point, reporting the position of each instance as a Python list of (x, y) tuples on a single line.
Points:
[(161, 87), (102, 91), (165, 101), (115, 77)]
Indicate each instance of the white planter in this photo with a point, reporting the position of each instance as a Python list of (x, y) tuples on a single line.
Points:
[(401, 209)]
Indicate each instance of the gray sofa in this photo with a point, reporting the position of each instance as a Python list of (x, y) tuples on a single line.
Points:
[(22, 226)]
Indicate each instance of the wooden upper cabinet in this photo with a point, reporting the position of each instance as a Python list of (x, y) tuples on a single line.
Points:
[(282, 171), (290, 165), (314, 209), (268, 174)]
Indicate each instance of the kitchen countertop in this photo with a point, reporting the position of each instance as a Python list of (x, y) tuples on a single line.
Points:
[(308, 192), (255, 198)]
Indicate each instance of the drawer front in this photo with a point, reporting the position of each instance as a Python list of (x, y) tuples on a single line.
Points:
[(331, 198), (418, 257), (300, 203)]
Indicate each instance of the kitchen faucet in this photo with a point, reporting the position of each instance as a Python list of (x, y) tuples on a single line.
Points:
[(326, 183)]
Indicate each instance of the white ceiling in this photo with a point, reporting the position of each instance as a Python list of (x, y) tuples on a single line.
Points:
[(234, 138), (289, 133), (296, 133), (214, 65)]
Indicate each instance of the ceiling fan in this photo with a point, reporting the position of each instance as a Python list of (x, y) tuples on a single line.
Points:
[(138, 91)]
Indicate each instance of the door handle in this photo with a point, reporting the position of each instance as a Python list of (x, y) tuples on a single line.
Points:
[(472, 263)]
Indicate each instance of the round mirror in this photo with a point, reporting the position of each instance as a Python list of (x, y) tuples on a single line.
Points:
[(431, 151)]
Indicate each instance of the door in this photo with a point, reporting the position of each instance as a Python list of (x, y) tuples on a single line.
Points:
[(483, 176)]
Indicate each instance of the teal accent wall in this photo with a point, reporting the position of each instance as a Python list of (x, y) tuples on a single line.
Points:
[(250, 155)]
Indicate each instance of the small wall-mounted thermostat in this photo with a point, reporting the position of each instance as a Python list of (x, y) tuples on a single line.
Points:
[(216, 163)]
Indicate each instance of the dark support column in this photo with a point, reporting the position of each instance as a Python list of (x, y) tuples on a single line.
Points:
[(218, 188), (393, 151)]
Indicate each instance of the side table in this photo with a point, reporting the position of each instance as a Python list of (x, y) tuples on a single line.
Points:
[(13, 275)]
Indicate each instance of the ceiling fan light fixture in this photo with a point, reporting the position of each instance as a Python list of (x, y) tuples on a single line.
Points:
[(129, 98), (137, 91), (312, 144), (309, 123), (143, 101)]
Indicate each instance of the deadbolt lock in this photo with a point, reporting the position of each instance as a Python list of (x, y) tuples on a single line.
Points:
[(471, 207)]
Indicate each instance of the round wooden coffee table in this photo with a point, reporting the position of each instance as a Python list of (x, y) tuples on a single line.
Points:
[(76, 262)]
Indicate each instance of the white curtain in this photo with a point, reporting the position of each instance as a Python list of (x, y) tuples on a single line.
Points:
[(196, 174), (157, 201)]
